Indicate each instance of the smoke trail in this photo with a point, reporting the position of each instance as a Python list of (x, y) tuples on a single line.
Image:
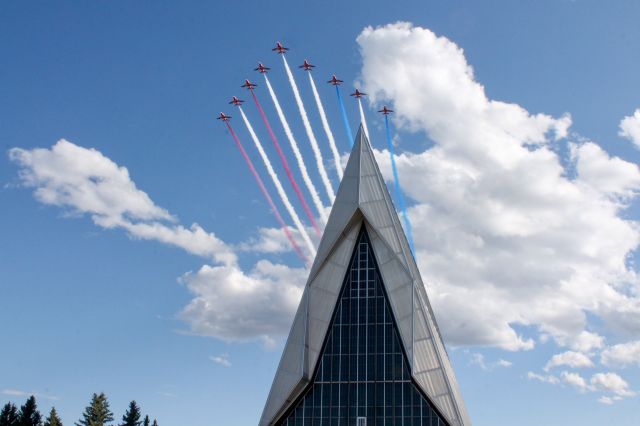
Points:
[(274, 208), (285, 164), (276, 181), (363, 120), (307, 126), (325, 125), (398, 191), (296, 152), (344, 117)]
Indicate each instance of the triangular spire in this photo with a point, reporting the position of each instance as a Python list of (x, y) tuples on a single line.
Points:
[(363, 200)]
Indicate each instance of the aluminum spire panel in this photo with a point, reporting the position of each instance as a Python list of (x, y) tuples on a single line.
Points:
[(363, 202)]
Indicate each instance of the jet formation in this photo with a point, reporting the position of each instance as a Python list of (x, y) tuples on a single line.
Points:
[(334, 81), (280, 49)]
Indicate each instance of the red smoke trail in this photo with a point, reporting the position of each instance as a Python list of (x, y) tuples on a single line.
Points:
[(275, 210), (283, 159)]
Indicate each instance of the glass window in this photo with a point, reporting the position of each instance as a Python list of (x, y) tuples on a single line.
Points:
[(363, 370)]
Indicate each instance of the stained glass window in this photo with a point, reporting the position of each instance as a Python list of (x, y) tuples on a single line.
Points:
[(363, 371)]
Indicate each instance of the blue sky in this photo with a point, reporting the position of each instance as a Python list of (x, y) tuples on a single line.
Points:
[(86, 309)]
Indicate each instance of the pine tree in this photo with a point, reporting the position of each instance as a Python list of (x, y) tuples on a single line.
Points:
[(97, 413), (155, 423), (146, 421), (132, 416), (53, 419), (29, 414), (9, 415)]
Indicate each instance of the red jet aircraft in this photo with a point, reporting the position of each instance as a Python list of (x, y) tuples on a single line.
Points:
[(385, 110), (358, 94), (261, 68), (334, 81), (224, 117), (280, 48), (249, 85), (235, 101), (307, 66)]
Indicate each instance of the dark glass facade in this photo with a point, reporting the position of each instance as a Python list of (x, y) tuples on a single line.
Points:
[(363, 370)]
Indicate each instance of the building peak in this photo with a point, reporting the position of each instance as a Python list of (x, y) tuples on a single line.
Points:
[(363, 202)]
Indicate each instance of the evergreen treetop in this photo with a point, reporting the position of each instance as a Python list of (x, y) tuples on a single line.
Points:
[(132, 415), (53, 419), (29, 414), (97, 413), (146, 421), (155, 423), (9, 415)]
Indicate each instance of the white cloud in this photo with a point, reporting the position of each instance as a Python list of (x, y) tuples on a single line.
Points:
[(608, 400), (222, 360), (233, 305), (611, 382), (269, 240), (273, 241), (585, 341), (570, 359), (510, 236), (630, 128), (503, 363), (606, 174), (479, 360), (622, 354), (84, 181), (551, 379), (575, 380)]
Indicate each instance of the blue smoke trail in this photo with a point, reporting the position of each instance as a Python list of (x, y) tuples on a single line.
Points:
[(344, 117), (398, 192)]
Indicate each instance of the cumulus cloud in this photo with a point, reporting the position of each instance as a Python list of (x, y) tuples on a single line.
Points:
[(621, 355), (510, 235), (630, 128), (575, 380), (570, 359), (603, 173), (584, 341), (233, 305), (84, 181), (611, 382)]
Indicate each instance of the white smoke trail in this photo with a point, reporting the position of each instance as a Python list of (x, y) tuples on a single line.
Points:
[(325, 124), (309, 130), (363, 120), (276, 181), (296, 152)]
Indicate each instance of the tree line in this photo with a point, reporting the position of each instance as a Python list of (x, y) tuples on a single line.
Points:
[(97, 413)]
